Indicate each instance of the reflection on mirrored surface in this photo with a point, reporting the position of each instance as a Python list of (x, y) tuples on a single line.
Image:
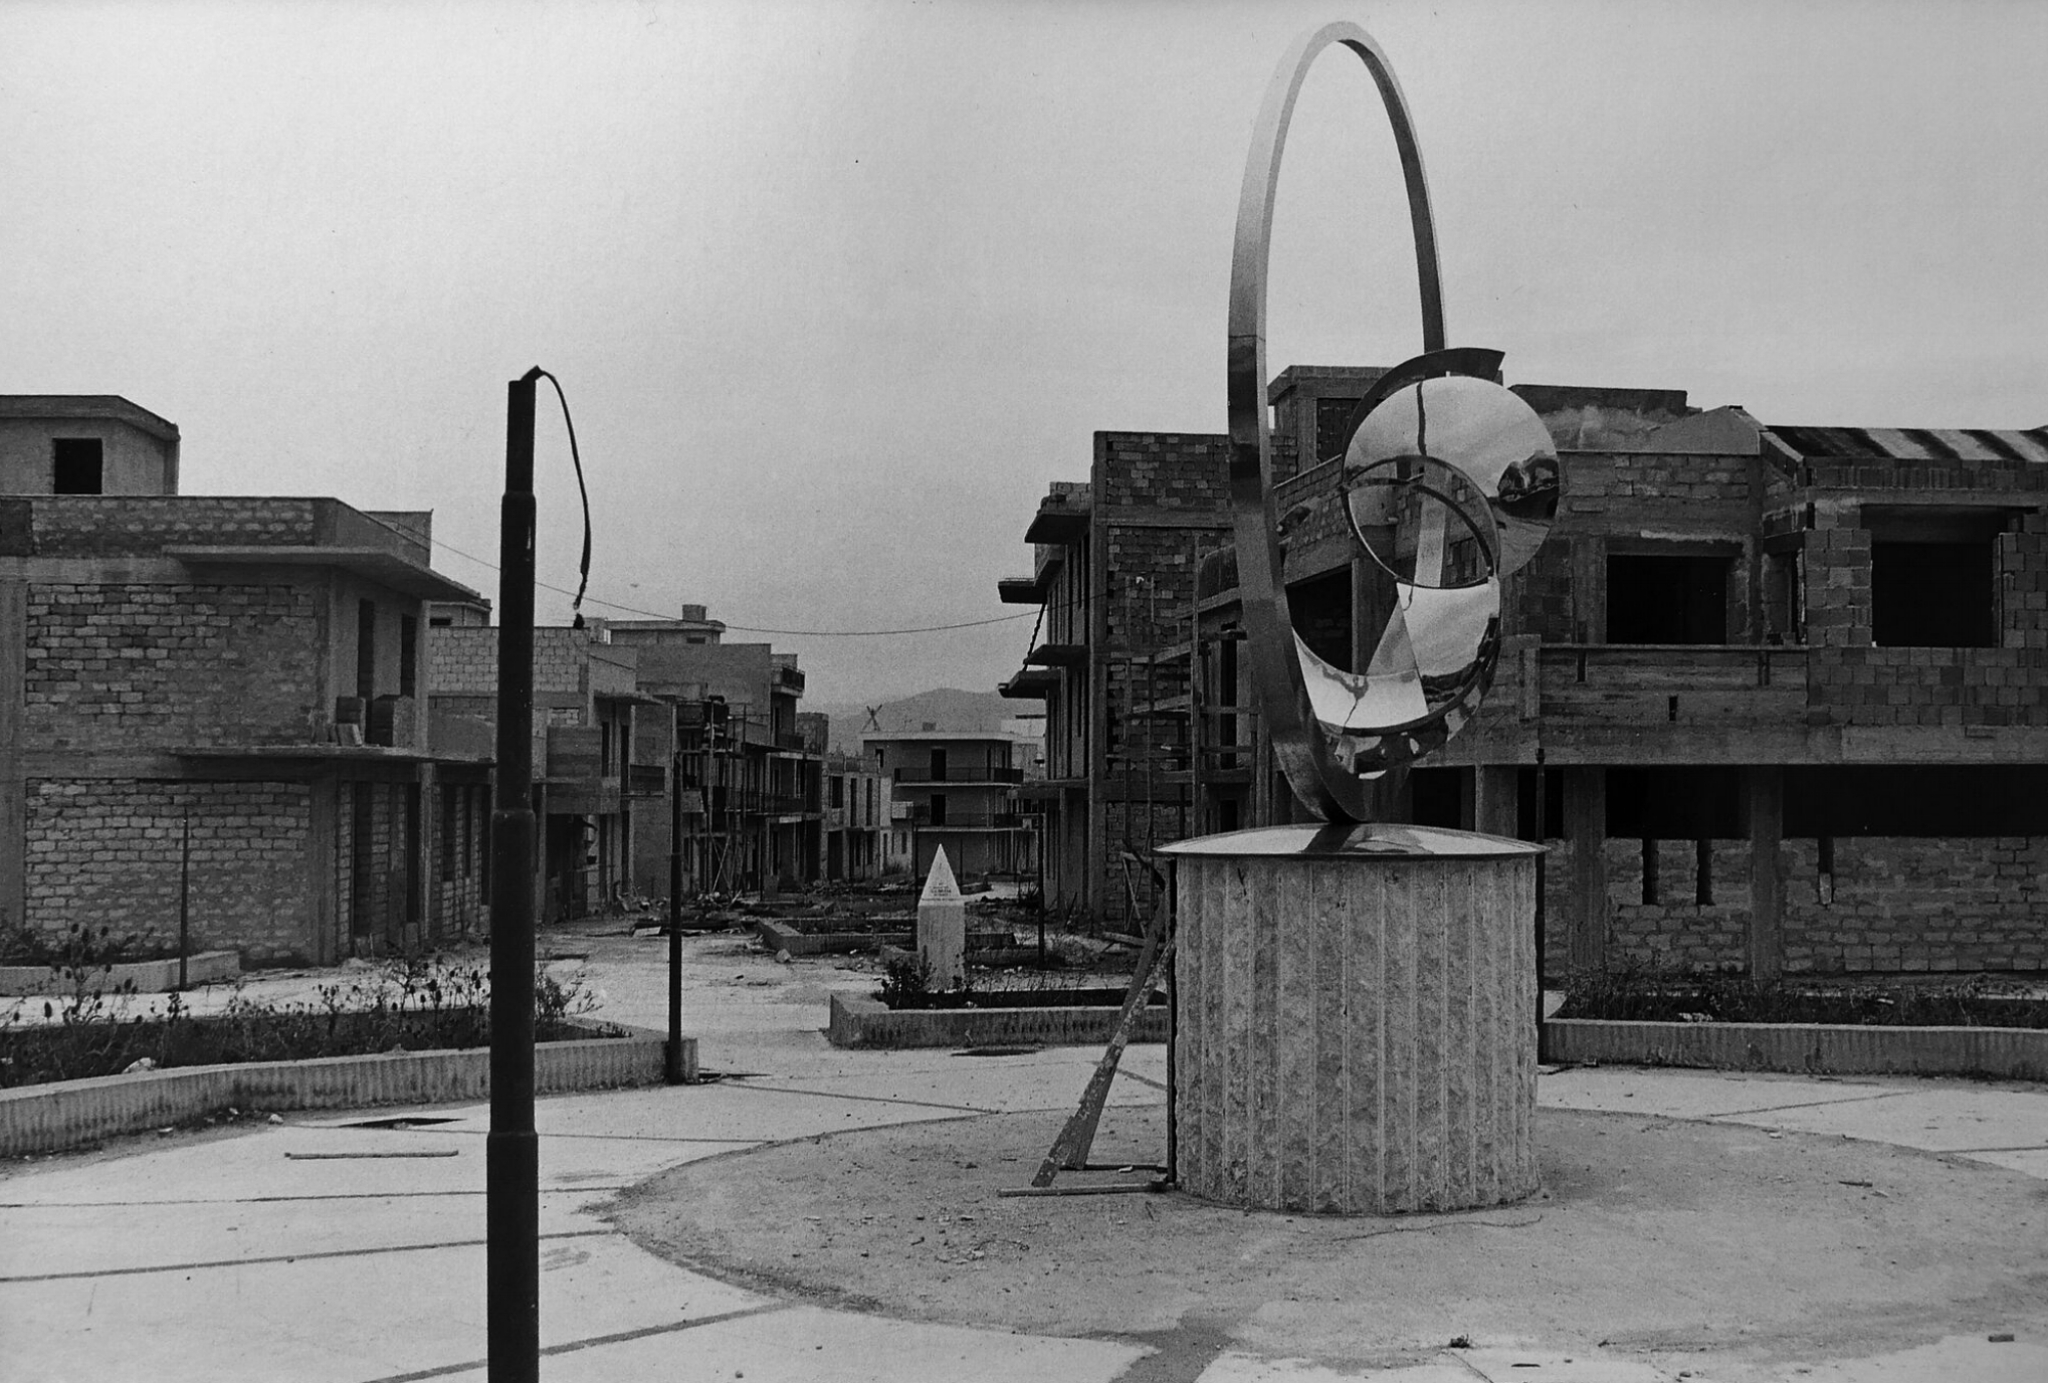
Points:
[(1424, 522), (1435, 647), (1482, 430)]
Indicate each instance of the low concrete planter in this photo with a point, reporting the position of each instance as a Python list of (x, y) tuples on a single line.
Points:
[(62, 1114), (148, 976), (781, 936), (1814, 1048), (858, 1021)]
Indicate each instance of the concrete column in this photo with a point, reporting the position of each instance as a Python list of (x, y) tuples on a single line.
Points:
[(1496, 800), (1355, 1030), (1764, 789), (1585, 829)]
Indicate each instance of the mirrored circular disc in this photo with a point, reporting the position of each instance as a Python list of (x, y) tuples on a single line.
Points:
[(1484, 431), (1425, 522)]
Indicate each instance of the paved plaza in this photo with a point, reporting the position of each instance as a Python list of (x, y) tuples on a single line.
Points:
[(333, 1246)]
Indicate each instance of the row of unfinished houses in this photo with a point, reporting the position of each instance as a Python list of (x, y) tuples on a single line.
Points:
[(1776, 697), (274, 715)]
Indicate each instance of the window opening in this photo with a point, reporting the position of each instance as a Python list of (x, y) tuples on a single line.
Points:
[(1932, 595), (1676, 600), (408, 655), (77, 466)]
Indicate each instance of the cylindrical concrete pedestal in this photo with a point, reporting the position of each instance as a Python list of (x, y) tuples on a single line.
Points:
[(1356, 1021)]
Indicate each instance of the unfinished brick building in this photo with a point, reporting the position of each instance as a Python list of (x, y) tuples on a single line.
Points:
[(587, 784), (1782, 687), (239, 673)]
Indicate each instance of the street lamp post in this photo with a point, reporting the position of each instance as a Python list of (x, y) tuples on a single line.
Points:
[(675, 1072), (512, 1149)]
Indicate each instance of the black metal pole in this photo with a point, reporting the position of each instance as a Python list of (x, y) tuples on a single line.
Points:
[(512, 1150), (675, 1072), (1542, 830)]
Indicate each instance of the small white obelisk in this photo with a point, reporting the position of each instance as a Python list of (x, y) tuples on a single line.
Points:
[(942, 926)]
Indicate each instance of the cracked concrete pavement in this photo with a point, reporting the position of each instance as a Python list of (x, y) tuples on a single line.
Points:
[(339, 1247)]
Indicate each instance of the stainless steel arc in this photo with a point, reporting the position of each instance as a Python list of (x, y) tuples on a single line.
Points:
[(1305, 752)]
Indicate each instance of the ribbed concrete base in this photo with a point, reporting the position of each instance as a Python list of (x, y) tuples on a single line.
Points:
[(1356, 1030)]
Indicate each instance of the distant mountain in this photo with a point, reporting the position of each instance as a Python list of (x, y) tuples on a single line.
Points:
[(948, 708)]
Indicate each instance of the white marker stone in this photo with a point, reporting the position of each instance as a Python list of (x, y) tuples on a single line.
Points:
[(942, 925)]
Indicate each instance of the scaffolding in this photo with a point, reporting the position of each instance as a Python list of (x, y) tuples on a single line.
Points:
[(1183, 746)]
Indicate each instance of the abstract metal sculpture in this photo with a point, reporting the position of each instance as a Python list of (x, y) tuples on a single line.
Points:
[(1449, 481)]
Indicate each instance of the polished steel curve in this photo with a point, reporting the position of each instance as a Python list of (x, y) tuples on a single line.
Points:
[(1309, 755)]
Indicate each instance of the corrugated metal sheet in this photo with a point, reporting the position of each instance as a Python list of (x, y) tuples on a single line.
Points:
[(1916, 443)]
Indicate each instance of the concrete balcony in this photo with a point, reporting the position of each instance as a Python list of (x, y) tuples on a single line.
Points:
[(1644, 685)]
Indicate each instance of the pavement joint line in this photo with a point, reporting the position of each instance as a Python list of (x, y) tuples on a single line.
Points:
[(544, 1134), (1809, 1104), (874, 1099), (310, 1196), (594, 1342), (287, 1258)]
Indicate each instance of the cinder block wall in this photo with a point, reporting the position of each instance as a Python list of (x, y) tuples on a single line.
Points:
[(1160, 500), (128, 525), (1678, 930), (106, 853), (1917, 904), (112, 666)]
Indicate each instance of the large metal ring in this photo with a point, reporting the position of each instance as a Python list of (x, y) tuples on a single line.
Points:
[(1329, 786)]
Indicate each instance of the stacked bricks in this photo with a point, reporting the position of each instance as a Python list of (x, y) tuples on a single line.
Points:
[(2023, 585), (463, 661), (1917, 904), (121, 666), (130, 526), (1677, 931), (1160, 500), (1880, 474), (107, 854), (1931, 686), (1161, 470), (1837, 583), (1709, 491), (460, 823)]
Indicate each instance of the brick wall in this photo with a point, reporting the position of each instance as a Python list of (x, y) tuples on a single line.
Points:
[(458, 828), (2023, 585), (1161, 470), (1918, 904), (1678, 931), (106, 853), (1930, 686), (463, 661), (1837, 583), (132, 666), (127, 526)]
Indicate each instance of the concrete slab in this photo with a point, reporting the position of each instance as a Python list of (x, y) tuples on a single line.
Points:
[(2032, 1161), (1234, 1367), (1536, 1364), (1936, 1118), (1972, 1357), (216, 1257), (797, 1344), (983, 1083), (346, 1317), (1698, 1094)]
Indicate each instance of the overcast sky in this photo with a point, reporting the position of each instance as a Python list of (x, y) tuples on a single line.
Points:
[(835, 290)]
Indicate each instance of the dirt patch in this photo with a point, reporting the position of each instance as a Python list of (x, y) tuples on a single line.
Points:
[(1650, 1235)]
